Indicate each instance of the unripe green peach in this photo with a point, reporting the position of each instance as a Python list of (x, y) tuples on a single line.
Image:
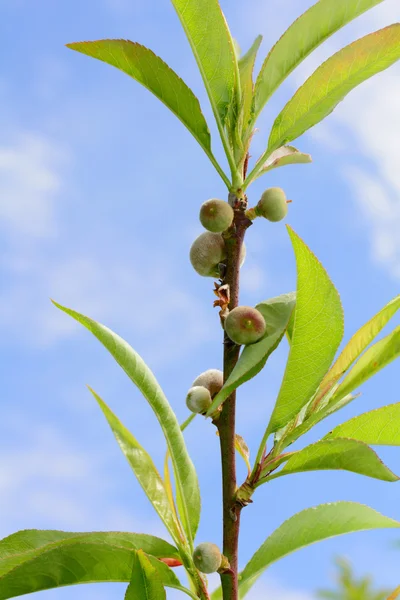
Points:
[(213, 380), (245, 325), (216, 215), (272, 205), (198, 399), (207, 557), (207, 251)]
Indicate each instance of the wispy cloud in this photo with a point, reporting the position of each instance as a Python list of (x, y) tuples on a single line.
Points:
[(29, 182), (141, 295), (362, 127)]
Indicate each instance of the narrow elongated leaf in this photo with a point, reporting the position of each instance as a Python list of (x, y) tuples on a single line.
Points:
[(287, 155), (152, 72), (373, 360), (188, 495), (212, 45), (74, 561), (276, 313), (315, 418), (242, 449), (377, 427), (317, 332), (357, 344), (144, 469), (343, 454), (146, 584), (304, 35), (332, 81), (26, 545), (246, 67), (307, 527)]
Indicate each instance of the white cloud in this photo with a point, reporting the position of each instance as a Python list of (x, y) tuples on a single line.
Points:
[(41, 478), (365, 125), (32, 190), (370, 117), (29, 182), (252, 278)]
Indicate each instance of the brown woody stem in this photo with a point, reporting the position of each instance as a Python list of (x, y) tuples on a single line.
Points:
[(226, 421)]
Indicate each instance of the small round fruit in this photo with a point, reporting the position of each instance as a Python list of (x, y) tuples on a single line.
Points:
[(245, 325), (207, 558), (213, 380), (272, 205), (207, 251), (198, 399), (216, 215)]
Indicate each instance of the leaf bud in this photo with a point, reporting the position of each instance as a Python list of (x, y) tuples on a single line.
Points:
[(198, 399), (245, 325), (216, 215), (207, 557), (272, 205)]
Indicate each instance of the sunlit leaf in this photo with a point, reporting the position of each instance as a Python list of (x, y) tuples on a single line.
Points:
[(287, 155), (304, 35), (316, 417), (317, 332), (167, 474), (145, 582), (26, 545), (307, 527), (242, 449), (152, 72), (373, 360), (212, 45), (343, 454), (276, 313), (144, 469), (377, 427), (246, 67), (72, 561), (187, 487), (357, 344), (332, 81)]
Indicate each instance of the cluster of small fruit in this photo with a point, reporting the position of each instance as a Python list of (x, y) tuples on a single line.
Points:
[(208, 251), (243, 325)]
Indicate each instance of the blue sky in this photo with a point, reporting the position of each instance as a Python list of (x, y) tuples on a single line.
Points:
[(100, 188)]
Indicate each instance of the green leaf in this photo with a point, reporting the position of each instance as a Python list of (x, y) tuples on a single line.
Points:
[(144, 469), (377, 427), (152, 72), (212, 45), (314, 418), (72, 561), (357, 344), (145, 582), (187, 487), (343, 454), (304, 35), (373, 360), (332, 81), (307, 527), (242, 449), (287, 155), (317, 332), (246, 67), (276, 313), (26, 545)]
